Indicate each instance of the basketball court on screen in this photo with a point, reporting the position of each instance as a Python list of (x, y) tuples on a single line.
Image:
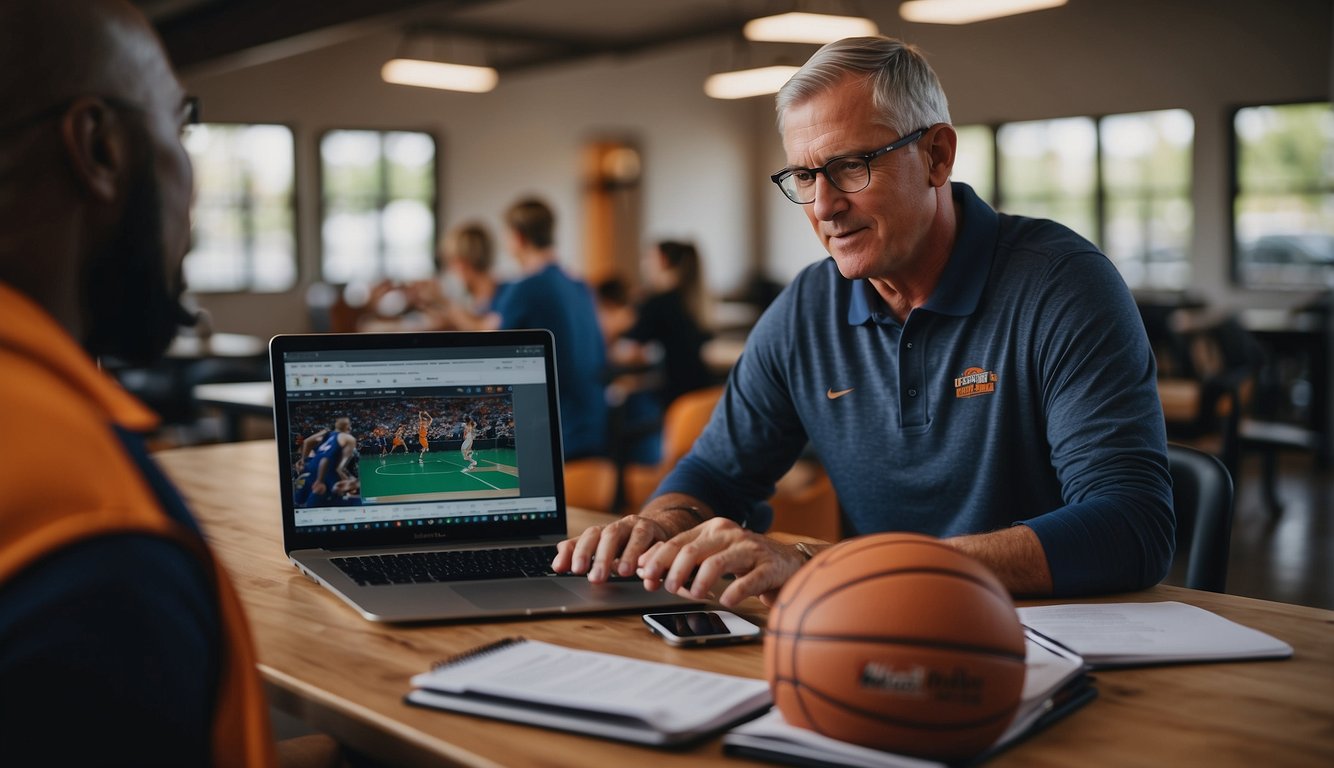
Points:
[(440, 475)]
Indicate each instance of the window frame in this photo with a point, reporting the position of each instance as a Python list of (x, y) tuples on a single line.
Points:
[(322, 208), (1234, 192), (294, 206)]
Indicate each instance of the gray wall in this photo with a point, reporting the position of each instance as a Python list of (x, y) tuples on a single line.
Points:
[(705, 161)]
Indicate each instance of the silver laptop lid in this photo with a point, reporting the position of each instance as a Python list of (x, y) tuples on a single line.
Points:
[(412, 438)]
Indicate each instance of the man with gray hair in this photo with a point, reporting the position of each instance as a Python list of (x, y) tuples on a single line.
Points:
[(976, 376)]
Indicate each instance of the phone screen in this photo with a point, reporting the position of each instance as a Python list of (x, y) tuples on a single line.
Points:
[(693, 623)]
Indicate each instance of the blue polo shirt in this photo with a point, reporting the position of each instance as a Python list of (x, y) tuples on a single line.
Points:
[(1022, 392), (551, 299)]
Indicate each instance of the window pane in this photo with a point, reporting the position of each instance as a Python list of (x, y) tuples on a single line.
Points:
[(1146, 170), (379, 196), (244, 225), (974, 160), (1284, 209), (1047, 170)]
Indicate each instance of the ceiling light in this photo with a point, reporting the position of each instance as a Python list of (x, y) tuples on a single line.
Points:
[(969, 11), (807, 28), (438, 74), (744, 83)]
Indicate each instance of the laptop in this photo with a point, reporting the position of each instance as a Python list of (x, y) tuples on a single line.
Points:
[(412, 463)]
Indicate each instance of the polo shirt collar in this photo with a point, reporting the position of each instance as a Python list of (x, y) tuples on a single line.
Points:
[(966, 272)]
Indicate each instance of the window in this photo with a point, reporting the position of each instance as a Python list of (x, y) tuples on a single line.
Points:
[(975, 160), (1283, 212), (379, 205), (244, 234), (1147, 210), (1122, 181), (1048, 170)]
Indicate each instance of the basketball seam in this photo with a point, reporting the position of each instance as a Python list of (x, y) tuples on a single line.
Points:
[(911, 641)]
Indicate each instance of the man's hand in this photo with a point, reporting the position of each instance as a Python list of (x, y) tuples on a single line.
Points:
[(710, 550), (601, 548), (619, 545)]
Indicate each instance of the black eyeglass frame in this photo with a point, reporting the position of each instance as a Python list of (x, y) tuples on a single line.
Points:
[(786, 173), (189, 111)]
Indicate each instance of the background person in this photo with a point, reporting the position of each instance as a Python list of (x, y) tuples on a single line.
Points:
[(961, 373), (546, 297)]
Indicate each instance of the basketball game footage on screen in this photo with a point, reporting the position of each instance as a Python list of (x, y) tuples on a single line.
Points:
[(386, 450)]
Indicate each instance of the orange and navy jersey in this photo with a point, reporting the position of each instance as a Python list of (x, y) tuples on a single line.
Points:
[(57, 394)]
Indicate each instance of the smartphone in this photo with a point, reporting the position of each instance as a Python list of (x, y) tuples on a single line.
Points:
[(701, 627)]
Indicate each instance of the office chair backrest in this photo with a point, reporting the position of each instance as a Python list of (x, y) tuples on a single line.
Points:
[(1202, 499)]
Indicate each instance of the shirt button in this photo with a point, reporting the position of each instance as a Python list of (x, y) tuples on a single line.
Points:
[(912, 393), (909, 345)]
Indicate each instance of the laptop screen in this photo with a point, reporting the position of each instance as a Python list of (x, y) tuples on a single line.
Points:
[(418, 437)]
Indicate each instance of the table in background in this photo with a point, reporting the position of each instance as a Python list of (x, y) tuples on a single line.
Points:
[(346, 676), (236, 400)]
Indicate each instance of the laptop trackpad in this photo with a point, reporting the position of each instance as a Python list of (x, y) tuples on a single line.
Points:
[(517, 594)]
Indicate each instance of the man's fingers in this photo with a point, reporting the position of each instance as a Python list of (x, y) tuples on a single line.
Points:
[(564, 556), (644, 535), (581, 557)]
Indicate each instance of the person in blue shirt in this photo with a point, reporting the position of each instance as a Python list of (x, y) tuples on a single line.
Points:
[(546, 297), (976, 376), (329, 456)]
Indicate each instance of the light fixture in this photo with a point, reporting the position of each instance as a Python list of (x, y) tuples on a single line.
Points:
[(744, 83), (969, 11), (807, 28), (439, 74)]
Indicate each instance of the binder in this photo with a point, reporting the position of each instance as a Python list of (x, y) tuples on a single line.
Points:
[(615, 697)]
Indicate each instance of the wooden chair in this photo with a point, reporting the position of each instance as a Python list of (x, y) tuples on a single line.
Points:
[(685, 418), (804, 501), (590, 484), (1203, 401), (806, 504)]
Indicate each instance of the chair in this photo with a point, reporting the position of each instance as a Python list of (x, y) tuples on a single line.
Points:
[(1202, 498), (590, 484), (805, 503), (685, 418), (1210, 387)]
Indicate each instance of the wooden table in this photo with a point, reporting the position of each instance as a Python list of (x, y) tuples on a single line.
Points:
[(347, 676)]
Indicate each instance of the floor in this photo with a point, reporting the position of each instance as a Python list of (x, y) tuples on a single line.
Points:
[(1287, 559)]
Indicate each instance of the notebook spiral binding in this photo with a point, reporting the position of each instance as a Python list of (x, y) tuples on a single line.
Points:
[(480, 650)]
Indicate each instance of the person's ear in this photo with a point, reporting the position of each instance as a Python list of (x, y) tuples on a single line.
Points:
[(941, 142), (97, 146)]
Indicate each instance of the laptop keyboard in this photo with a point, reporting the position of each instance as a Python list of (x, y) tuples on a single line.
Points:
[(452, 565)]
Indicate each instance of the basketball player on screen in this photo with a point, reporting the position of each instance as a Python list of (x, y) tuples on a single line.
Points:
[(424, 422), (469, 432), (329, 460), (398, 441)]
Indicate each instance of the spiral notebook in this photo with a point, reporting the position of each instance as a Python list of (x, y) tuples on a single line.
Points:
[(615, 697)]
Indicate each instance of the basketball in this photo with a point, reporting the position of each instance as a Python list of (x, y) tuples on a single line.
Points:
[(897, 642)]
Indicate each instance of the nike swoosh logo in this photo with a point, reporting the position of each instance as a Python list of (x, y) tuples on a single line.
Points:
[(832, 395)]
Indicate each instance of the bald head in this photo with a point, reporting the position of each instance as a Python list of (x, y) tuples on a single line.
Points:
[(93, 175), (54, 50)]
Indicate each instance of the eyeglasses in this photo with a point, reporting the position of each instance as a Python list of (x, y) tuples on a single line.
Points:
[(848, 173), (187, 116)]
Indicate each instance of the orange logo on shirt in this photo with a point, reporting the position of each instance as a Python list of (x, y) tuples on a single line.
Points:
[(974, 382)]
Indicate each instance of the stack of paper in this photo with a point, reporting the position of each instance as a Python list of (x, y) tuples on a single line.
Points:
[(1132, 634)]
